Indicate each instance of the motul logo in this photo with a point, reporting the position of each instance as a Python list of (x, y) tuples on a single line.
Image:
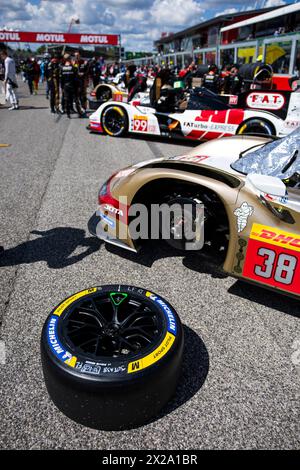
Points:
[(92, 39), (272, 101), (9, 36), (50, 37)]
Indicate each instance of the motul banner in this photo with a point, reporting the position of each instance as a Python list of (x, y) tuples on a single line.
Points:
[(60, 38)]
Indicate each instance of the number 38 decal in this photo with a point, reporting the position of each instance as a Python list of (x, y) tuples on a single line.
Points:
[(282, 268), (273, 257)]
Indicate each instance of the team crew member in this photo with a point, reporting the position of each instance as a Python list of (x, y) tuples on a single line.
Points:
[(52, 73), (36, 75), (81, 80), (29, 74), (10, 80), (211, 79), (68, 83), (44, 67), (236, 81), (95, 71), (225, 79)]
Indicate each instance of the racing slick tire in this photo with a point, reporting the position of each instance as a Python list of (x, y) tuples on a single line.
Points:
[(114, 121), (257, 126), (111, 356)]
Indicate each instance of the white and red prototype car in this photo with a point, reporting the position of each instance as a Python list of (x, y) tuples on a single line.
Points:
[(205, 116)]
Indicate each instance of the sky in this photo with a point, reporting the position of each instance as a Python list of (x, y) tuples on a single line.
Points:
[(139, 22)]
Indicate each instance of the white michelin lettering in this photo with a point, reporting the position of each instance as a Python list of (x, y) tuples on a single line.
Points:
[(170, 315), (243, 213)]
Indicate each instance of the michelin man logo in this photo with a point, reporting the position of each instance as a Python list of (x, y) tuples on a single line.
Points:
[(243, 213)]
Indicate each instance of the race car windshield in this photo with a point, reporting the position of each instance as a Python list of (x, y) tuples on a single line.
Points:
[(279, 158)]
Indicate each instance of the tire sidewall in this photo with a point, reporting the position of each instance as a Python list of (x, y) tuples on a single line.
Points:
[(245, 127), (122, 113), (171, 327)]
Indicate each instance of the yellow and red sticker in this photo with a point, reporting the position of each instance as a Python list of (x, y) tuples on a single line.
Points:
[(273, 258), (140, 123)]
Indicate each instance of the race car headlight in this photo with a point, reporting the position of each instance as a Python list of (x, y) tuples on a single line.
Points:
[(105, 190)]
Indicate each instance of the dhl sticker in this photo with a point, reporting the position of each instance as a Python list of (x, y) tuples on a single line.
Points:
[(275, 236), (62, 307), (153, 357), (272, 258)]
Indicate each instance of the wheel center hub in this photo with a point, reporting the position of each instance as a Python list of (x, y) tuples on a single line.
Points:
[(111, 330)]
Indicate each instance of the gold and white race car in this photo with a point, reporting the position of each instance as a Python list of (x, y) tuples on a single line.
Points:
[(248, 189)]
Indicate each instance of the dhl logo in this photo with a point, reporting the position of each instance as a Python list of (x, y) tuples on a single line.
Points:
[(275, 236)]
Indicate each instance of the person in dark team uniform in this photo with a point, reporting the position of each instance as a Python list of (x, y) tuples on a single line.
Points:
[(95, 71), (211, 80), (81, 80), (68, 78), (52, 72), (225, 78), (44, 66), (29, 74), (236, 81)]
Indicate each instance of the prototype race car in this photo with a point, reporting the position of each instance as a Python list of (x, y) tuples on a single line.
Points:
[(107, 90), (249, 188), (202, 116), (114, 90)]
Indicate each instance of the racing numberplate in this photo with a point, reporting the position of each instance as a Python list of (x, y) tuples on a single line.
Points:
[(273, 258), (140, 124)]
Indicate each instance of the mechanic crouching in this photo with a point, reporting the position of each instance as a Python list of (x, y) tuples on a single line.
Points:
[(68, 77)]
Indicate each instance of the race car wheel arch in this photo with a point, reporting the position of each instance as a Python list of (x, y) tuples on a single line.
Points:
[(103, 92), (103, 391), (186, 190), (114, 120), (256, 126)]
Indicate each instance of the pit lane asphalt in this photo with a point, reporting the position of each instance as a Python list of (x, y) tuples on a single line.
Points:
[(239, 389)]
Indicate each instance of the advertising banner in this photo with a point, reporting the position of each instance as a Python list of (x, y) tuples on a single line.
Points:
[(60, 38)]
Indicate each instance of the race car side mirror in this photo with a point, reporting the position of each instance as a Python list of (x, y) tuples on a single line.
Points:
[(266, 184)]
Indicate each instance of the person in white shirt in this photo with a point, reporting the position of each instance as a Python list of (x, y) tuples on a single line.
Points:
[(10, 80)]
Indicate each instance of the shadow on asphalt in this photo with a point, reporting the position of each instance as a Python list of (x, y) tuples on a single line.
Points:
[(55, 246), (25, 108), (195, 368), (155, 139), (206, 261), (266, 297)]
